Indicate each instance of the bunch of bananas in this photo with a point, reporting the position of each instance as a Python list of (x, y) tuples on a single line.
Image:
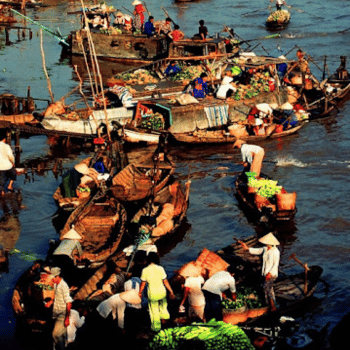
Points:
[(207, 336)]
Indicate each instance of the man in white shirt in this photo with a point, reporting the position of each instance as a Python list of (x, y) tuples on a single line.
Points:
[(226, 89), (213, 291), (7, 164), (271, 260), (193, 291), (252, 155)]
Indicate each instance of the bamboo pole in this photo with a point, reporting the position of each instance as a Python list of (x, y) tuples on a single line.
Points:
[(87, 68), (98, 74), (44, 66), (85, 100)]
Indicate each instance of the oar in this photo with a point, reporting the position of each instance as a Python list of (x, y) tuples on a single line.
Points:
[(247, 13), (127, 10), (167, 14), (305, 266), (296, 9), (58, 37)]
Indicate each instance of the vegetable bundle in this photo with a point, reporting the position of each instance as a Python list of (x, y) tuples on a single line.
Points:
[(140, 77), (265, 188), (153, 122), (188, 73), (207, 336), (279, 16), (259, 83)]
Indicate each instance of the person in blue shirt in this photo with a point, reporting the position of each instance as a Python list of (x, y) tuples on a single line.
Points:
[(200, 86), (149, 29), (172, 69)]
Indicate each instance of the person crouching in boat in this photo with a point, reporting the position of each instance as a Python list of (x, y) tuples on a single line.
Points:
[(271, 260), (200, 86), (226, 89), (252, 156)]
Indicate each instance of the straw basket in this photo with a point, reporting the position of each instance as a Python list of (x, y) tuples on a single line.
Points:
[(252, 313), (286, 201), (235, 316)]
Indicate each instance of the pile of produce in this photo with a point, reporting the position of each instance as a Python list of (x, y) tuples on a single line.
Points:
[(111, 31), (264, 187), (279, 16), (258, 83), (152, 122), (188, 73), (211, 335), (140, 77), (246, 296)]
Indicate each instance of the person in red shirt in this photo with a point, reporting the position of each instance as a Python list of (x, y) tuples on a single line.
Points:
[(138, 13), (176, 34)]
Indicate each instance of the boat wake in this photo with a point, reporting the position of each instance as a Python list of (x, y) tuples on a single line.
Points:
[(289, 161)]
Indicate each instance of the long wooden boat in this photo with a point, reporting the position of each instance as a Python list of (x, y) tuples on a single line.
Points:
[(142, 179), (101, 223), (220, 137), (28, 4), (269, 212)]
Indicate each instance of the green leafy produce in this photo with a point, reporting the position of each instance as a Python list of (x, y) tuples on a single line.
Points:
[(212, 335), (265, 188)]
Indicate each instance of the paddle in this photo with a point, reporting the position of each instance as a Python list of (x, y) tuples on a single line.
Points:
[(167, 14), (305, 266), (296, 9)]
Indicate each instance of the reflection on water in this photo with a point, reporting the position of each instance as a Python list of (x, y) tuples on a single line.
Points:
[(10, 226)]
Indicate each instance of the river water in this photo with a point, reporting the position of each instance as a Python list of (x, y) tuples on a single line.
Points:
[(314, 163)]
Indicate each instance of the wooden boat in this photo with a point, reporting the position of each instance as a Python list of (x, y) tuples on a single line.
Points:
[(219, 137), (142, 179), (268, 212), (113, 159), (17, 110), (278, 19), (175, 195), (101, 222), (28, 4)]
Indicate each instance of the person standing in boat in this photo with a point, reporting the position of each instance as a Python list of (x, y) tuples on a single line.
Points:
[(252, 156), (7, 164), (139, 15), (271, 260), (154, 276), (279, 4), (202, 30), (61, 310), (176, 34)]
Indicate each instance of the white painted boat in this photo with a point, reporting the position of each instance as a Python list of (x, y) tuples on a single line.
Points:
[(135, 136), (90, 123)]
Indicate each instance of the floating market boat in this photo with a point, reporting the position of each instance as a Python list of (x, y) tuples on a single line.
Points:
[(19, 4), (143, 178), (266, 201), (278, 19), (121, 44), (6, 16), (101, 223)]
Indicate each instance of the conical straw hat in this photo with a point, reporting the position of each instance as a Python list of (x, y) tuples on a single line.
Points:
[(82, 168), (72, 234), (131, 296), (269, 239)]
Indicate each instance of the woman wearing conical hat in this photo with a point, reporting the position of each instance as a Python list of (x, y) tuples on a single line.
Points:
[(271, 260)]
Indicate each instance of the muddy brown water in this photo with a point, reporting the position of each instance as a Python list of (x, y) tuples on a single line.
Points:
[(314, 162)]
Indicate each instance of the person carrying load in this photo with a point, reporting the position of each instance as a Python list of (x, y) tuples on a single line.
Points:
[(252, 156)]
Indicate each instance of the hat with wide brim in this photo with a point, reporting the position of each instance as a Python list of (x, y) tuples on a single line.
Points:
[(269, 239), (238, 143), (130, 296), (71, 234), (136, 2), (55, 271), (82, 168), (119, 13), (226, 80)]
